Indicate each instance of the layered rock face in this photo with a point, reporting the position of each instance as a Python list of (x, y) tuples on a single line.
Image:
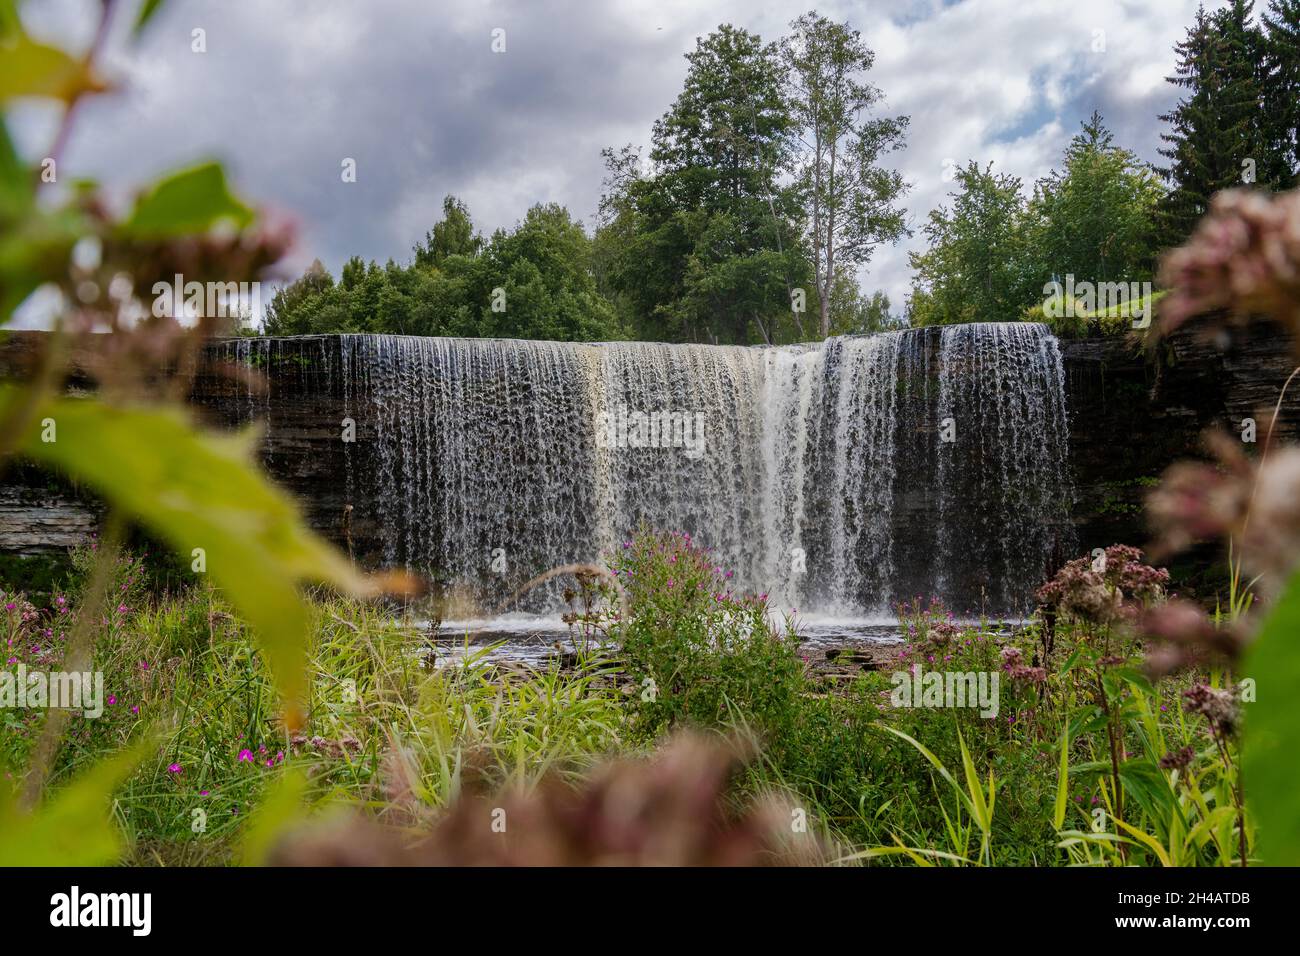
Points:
[(1133, 413), (1130, 414)]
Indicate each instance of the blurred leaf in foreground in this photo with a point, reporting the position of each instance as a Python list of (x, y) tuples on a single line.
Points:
[(280, 810), (147, 11), (201, 494), (35, 69), (190, 201), (1273, 731), (74, 828)]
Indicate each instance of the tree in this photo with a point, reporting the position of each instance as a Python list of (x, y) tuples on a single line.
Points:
[(975, 267), (453, 235), (1218, 138), (542, 268), (848, 198), (290, 308), (1095, 217), (548, 291), (1281, 82), (858, 314), (706, 246)]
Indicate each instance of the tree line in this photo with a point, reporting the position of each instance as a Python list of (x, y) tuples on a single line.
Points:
[(766, 189), (1106, 215)]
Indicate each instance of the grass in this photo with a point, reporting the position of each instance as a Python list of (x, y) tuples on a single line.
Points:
[(1068, 773), (381, 723)]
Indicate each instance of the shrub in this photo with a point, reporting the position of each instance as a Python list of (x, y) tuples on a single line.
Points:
[(698, 652)]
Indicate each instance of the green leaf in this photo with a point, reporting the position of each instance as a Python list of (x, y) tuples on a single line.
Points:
[(147, 11), (1147, 841), (33, 251), (192, 200), (1271, 771), (17, 182), (1062, 781), (10, 25), (279, 810), (199, 491), (74, 827), (36, 69)]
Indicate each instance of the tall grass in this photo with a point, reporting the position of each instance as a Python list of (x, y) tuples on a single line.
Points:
[(1088, 762), (385, 730)]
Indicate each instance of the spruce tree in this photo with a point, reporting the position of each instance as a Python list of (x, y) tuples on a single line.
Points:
[(1282, 87), (1217, 140)]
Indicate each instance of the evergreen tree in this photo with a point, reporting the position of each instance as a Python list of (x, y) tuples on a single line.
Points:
[(1282, 87), (706, 248), (1217, 140), (453, 235)]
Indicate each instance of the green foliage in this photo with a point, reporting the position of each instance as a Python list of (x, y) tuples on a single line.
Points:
[(894, 784), (1274, 731), (1280, 78), (544, 270), (975, 267), (34, 69), (1074, 319), (201, 495), (853, 313), (192, 200), (1236, 123), (849, 199), (73, 828), (148, 10), (994, 254), (36, 575), (699, 653), (1094, 219), (707, 248), (534, 281), (35, 242), (453, 235)]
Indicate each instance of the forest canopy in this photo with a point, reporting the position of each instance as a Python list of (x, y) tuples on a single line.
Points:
[(754, 212)]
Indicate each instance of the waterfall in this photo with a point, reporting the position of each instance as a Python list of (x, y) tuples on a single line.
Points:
[(838, 477)]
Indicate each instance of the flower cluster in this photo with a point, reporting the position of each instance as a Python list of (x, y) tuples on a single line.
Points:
[(1115, 586), (927, 623), (1014, 666), (1243, 258), (1185, 637), (1254, 504), (675, 810), (1242, 261), (1178, 759), (1218, 707)]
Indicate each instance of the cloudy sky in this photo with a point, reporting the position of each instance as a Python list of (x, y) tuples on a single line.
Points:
[(412, 90)]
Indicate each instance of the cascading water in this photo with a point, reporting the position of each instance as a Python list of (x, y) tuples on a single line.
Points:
[(837, 477)]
